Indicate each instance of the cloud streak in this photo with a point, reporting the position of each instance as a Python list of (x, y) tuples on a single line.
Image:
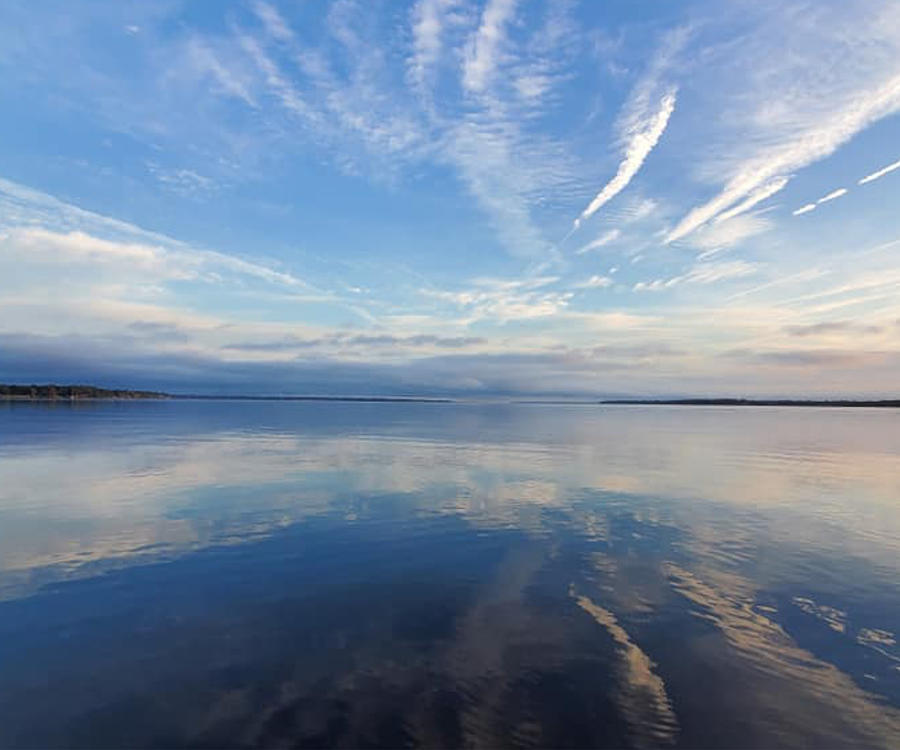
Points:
[(783, 116), (607, 238), (642, 138), (832, 195), (880, 173)]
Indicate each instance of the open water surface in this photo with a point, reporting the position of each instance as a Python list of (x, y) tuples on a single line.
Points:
[(290, 574)]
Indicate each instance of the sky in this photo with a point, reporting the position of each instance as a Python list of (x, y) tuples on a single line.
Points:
[(490, 198)]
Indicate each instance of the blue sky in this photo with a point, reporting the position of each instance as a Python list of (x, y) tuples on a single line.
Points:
[(503, 197)]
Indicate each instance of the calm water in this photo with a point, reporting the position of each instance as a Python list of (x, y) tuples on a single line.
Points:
[(329, 574)]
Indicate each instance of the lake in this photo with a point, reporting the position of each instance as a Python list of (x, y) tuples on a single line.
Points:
[(297, 574)]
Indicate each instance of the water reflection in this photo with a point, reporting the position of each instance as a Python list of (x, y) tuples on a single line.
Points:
[(227, 573)]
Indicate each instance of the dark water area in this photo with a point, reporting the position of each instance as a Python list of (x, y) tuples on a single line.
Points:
[(290, 574)]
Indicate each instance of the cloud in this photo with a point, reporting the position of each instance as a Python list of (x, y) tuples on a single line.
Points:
[(280, 86), (709, 273), (274, 23), (427, 21), (781, 115), (204, 63), (832, 195), (701, 273), (35, 245), (756, 196), (595, 282), (722, 234), (603, 240), (806, 358), (831, 327), (502, 300), (804, 209), (642, 137), (880, 173), (345, 341), (184, 182), (486, 44)]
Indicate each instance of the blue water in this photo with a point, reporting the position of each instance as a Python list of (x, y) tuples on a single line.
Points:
[(245, 574)]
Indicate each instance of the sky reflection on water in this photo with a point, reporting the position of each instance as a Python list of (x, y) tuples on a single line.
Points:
[(233, 573)]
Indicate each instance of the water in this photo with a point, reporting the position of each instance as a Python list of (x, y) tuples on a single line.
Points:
[(234, 574)]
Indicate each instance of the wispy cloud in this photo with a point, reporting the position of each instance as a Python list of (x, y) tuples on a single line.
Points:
[(502, 300), (595, 282), (721, 235), (804, 209), (880, 173), (486, 45), (205, 63), (756, 196), (184, 182), (607, 238), (701, 273), (273, 21), (642, 137), (780, 116), (834, 327), (427, 21)]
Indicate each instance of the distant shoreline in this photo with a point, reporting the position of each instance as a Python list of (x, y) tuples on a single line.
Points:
[(71, 393), (883, 403), (54, 393)]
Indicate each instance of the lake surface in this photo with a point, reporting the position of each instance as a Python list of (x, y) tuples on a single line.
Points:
[(288, 574)]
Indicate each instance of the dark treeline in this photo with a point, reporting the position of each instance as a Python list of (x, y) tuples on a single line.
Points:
[(53, 392)]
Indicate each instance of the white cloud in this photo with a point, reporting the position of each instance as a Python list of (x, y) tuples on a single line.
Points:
[(39, 245), (778, 114), (709, 273), (832, 195), (719, 235), (642, 138), (427, 20), (485, 47), (880, 173), (640, 210), (185, 182), (502, 300), (203, 62), (274, 23), (279, 84), (701, 273), (603, 240), (756, 196), (136, 261), (595, 282)]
